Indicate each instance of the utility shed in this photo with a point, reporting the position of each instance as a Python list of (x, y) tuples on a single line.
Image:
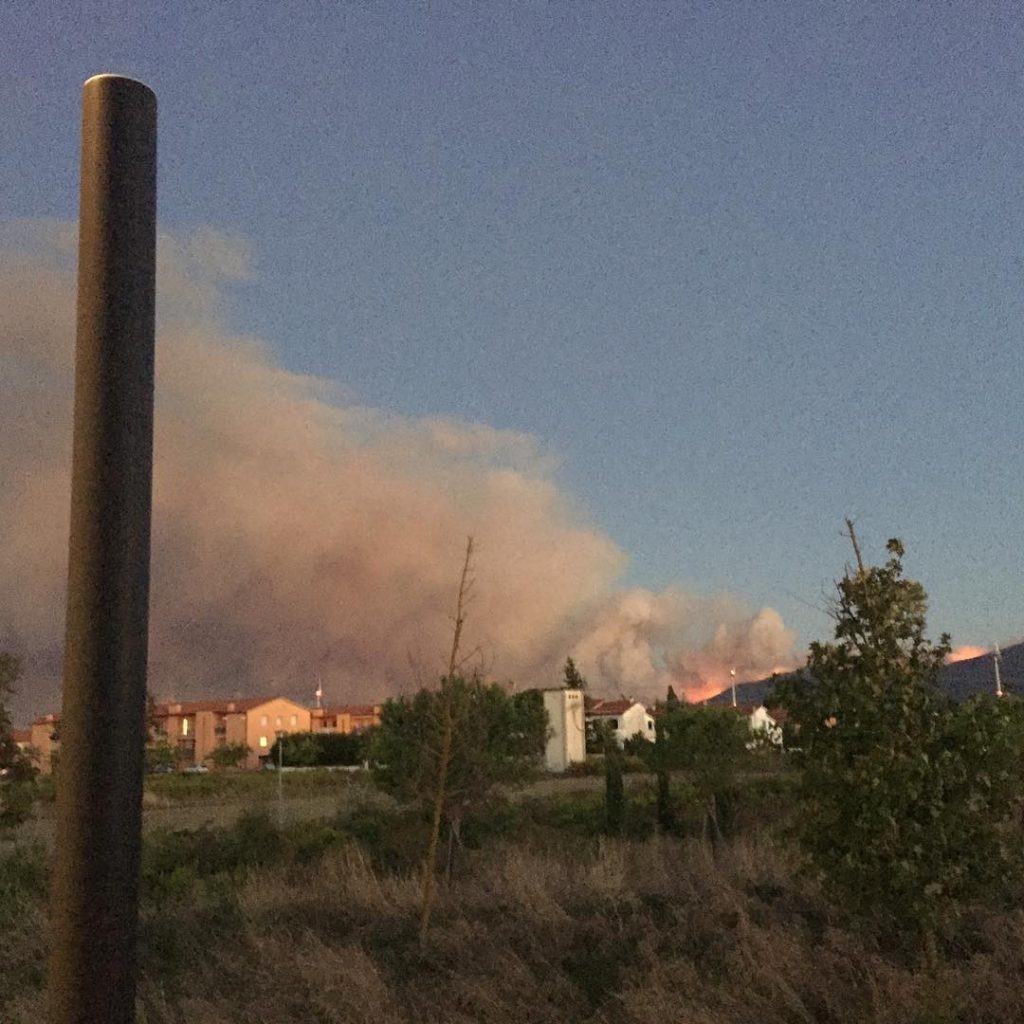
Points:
[(567, 730)]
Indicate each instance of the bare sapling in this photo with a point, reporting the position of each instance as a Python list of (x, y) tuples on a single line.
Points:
[(449, 724)]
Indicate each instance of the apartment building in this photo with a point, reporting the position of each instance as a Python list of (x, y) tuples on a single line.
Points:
[(345, 718), (196, 728), (44, 740)]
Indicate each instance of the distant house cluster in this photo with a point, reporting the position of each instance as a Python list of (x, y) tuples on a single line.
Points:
[(571, 715), (195, 729), (625, 718)]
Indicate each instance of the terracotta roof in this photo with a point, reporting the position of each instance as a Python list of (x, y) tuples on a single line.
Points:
[(611, 707), (21, 735), (50, 719), (222, 707)]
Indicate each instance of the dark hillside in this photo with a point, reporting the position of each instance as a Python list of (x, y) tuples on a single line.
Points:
[(960, 680)]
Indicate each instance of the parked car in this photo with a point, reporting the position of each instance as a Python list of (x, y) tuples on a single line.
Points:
[(195, 769)]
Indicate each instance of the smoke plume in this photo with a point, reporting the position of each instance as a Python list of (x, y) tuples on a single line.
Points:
[(297, 534)]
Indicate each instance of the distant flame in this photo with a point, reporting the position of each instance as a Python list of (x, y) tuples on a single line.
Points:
[(966, 651), (711, 687), (695, 694)]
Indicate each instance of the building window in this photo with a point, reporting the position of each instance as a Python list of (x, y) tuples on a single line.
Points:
[(613, 723), (263, 720), (279, 721), (184, 727), (295, 719), (263, 741)]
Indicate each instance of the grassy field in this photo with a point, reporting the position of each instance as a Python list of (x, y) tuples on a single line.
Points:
[(218, 799), (545, 920)]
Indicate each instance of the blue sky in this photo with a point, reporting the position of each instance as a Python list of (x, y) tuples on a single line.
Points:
[(744, 268)]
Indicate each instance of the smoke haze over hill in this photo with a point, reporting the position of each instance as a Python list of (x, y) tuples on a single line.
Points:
[(298, 533)]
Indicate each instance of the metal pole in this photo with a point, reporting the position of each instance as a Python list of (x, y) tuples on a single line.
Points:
[(280, 780), (102, 729)]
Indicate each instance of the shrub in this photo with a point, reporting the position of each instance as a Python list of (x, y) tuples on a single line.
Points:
[(909, 803)]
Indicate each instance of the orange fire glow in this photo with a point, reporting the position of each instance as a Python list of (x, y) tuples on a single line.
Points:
[(695, 694), (712, 686), (966, 651)]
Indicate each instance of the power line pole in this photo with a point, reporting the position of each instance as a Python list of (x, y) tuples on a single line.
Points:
[(853, 540), (280, 779), (103, 724)]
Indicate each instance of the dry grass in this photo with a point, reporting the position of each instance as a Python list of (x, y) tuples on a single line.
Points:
[(613, 931), (637, 933)]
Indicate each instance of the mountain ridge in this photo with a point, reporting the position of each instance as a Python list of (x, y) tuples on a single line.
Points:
[(960, 679)]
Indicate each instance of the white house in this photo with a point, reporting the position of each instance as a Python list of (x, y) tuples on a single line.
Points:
[(567, 730), (625, 717), (765, 728)]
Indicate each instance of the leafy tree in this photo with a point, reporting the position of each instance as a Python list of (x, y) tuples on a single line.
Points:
[(446, 750), (710, 745), (301, 750), (572, 678), (160, 755), (908, 800), (614, 781), (339, 748), (658, 757), (229, 755), (499, 740), (614, 794), (494, 739), (322, 749), (17, 773)]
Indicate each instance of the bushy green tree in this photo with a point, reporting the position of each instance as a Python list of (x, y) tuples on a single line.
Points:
[(614, 793), (448, 749), (339, 748), (709, 744), (17, 773), (614, 778), (321, 749), (498, 739), (160, 755), (229, 755), (658, 760), (908, 801), (300, 750)]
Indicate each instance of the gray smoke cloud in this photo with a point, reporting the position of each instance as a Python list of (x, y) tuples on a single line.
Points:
[(297, 533)]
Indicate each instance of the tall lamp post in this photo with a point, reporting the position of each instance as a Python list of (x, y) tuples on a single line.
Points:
[(94, 897), (280, 778)]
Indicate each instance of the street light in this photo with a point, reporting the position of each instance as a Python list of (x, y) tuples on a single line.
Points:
[(94, 895), (280, 778)]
